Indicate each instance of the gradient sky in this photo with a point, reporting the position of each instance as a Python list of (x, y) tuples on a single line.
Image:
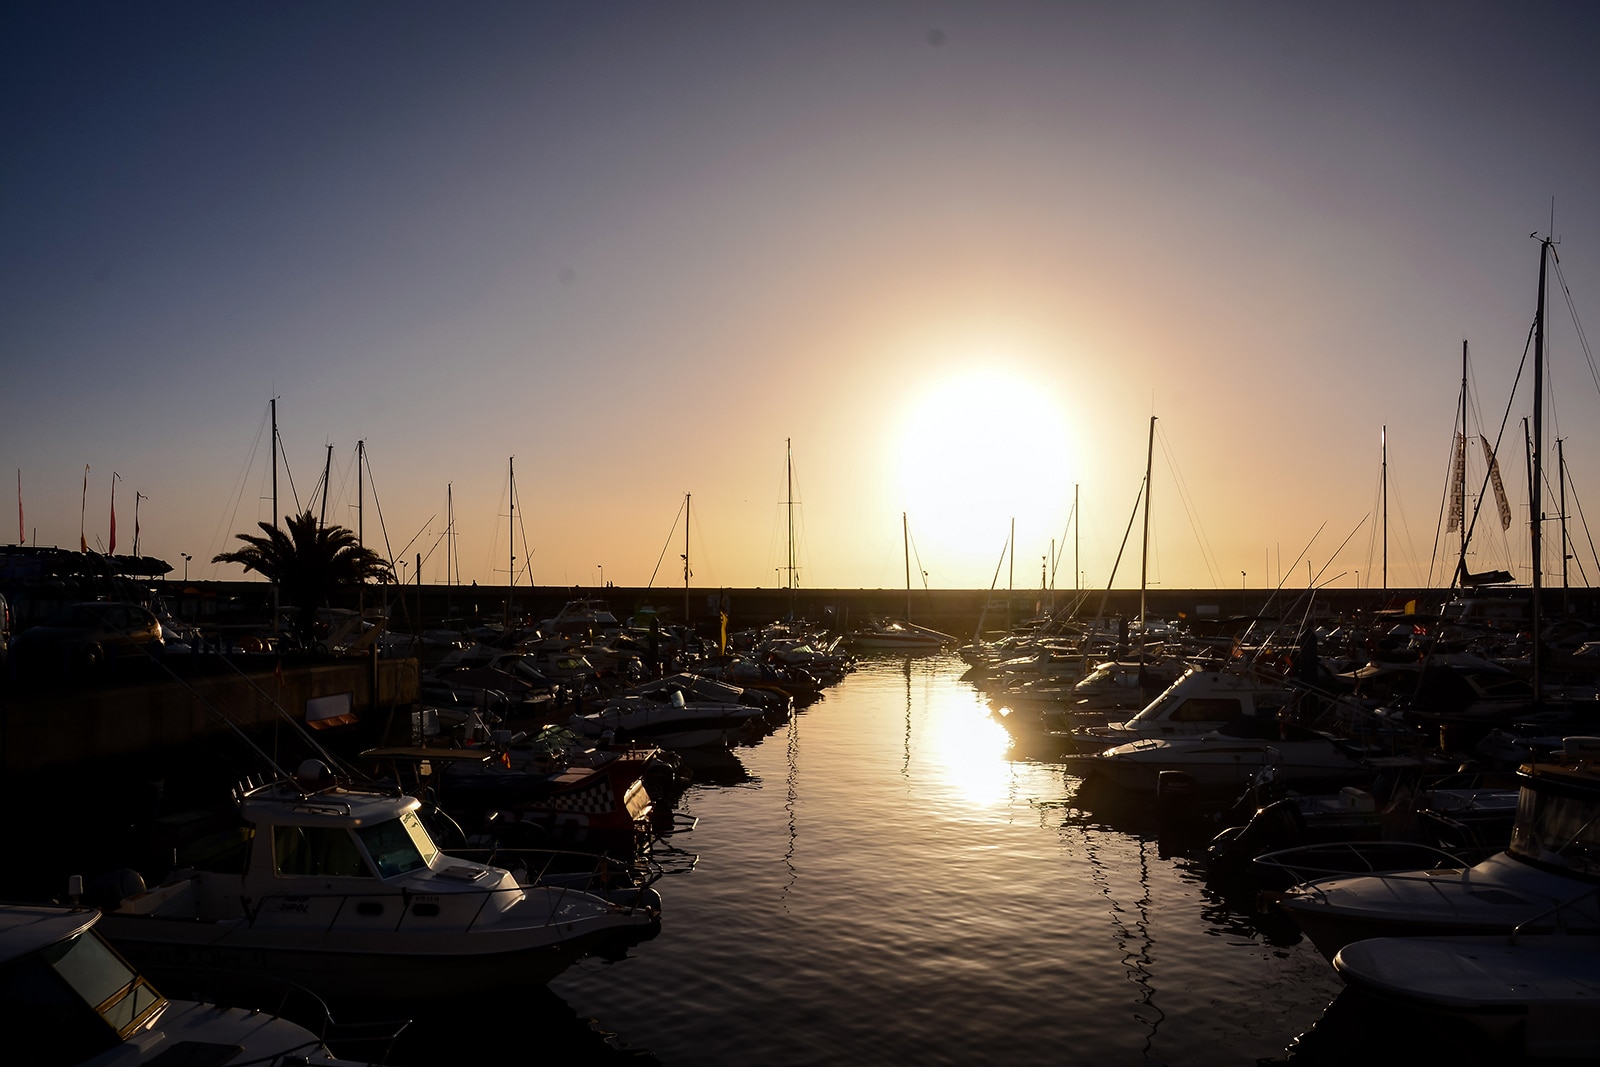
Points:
[(959, 253)]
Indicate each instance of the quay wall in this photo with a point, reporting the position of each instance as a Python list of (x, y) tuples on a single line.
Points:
[(70, 723), (955, 611)]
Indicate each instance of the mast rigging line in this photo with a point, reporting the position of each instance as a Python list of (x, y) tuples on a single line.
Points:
[(1207, 554), (1577, 324), (1587, 535), (522, 528), (1477, 508), (667, 544), (1125, 535), (231, 517)]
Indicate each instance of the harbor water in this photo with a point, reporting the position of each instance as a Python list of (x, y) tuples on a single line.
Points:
[(883, 880)]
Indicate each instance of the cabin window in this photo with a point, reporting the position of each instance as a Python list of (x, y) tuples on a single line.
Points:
[(1558, 829), (399, 845), (55, 990), (1207, 709), (317, 851)]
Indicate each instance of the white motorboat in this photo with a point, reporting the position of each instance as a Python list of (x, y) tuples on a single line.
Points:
[(895, 635), (665, 718), (344, 891), (1548, 879), (1198, 702), (1225, 761), (1530, 996), (71, 999)]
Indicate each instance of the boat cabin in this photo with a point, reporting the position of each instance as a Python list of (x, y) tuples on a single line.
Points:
[(345, 855), (1558, 813), (58, 977)]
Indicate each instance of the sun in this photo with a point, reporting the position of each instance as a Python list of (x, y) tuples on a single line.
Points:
[(979, 448)]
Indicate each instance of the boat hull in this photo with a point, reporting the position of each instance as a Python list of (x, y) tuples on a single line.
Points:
[(1531, 996), (230, 958)]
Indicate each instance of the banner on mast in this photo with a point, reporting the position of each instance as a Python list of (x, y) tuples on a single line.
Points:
[(1499, 486), (1458, 484)]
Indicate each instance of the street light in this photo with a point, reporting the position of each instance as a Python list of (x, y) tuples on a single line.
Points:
[(1241, 580), (602, 567), (186, 559)]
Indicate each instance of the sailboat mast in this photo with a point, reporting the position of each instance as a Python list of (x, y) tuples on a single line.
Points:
[(327, 476), (1385, 482), (511, 533), (788, 444), (686, 557), (1460, 488), (449, 529), (361, 495), (1536, 513), (1077, 524), (274, 463), (1011, 572), (1144, 563), (905, 537)]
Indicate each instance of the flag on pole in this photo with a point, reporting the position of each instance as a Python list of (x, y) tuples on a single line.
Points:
[(83, 509)]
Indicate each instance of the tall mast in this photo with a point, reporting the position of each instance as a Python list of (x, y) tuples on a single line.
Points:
[(1461, 472), (1077, 524), (1535, 503), (1144, 563), (788, 444), (686, 557), (905, 536), (274, 463), (327, 475), (511, 532), (1385, 482), (449, 530), (361, 495), (1011, 571)]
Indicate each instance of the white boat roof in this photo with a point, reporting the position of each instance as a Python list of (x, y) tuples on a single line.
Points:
[(26, 928), (283, 804)]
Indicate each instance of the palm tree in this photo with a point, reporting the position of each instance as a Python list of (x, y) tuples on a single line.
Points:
[(309, 563)]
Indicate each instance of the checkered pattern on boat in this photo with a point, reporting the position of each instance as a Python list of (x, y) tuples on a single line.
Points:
[(593, 799)]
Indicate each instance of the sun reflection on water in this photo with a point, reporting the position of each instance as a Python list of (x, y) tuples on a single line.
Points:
[(967, 749)]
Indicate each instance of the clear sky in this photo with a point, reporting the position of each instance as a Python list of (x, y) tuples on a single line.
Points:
[(959, 253)]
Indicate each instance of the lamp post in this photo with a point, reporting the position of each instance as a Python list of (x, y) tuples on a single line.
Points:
[(186, 559), (1241, 581), (602, 567)]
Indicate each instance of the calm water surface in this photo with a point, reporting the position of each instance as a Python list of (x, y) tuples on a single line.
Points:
[(884, 881)]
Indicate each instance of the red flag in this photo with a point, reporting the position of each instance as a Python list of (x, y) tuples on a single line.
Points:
[(113, 549)]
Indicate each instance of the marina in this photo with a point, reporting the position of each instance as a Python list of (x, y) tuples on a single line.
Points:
[(885, 873), (487, 634)]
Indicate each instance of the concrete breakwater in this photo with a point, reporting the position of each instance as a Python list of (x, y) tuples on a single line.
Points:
[(959, 612)]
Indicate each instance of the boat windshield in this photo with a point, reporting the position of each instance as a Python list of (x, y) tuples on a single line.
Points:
[(56, 991), (1558, 829), (399, 846)]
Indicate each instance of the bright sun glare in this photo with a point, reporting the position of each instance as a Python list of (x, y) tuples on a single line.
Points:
[(977, 450)]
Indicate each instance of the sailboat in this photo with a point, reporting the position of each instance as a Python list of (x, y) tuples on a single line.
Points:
[(896, 634)]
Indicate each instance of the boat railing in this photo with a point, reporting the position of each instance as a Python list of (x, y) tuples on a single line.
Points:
[(1305, 865), (625, 884), (562, 873), (1557, 912)]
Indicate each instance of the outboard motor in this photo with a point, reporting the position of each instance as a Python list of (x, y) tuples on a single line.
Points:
[(1275, 826)]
